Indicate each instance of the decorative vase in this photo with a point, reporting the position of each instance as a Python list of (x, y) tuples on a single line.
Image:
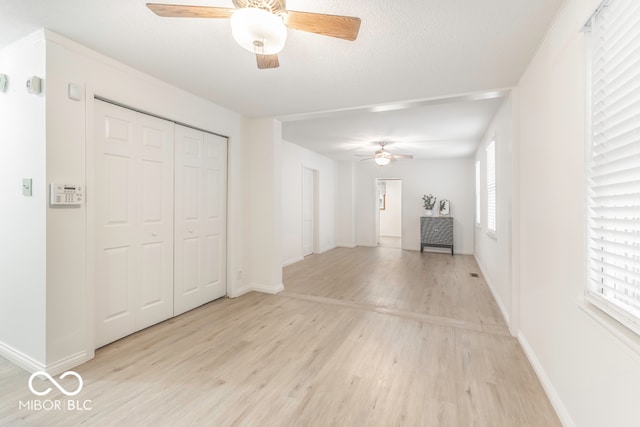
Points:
[(429, 212)]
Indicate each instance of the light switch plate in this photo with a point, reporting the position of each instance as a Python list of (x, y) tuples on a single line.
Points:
[(4, 82), (26, 187), (75, 92)]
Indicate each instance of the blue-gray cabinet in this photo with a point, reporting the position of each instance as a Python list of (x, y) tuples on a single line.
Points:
[(436, 232)]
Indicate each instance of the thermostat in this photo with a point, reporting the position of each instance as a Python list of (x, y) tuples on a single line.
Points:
[(66, 194)]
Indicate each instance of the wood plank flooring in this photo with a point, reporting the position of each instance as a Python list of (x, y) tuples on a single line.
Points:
[(360, 337)]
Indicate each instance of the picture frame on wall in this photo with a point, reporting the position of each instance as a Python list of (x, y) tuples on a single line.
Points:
[(444, 207)]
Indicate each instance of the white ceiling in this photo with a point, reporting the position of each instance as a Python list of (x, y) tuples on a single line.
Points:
[(409, 50), (429, 129)]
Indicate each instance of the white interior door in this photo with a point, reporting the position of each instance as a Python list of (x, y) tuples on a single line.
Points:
[(133, 199), (200, 218), (307, 211)]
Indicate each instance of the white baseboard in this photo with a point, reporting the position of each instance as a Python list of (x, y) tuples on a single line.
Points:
[(547, 385), (256, 287), (346, 245), (300, 258), (30, 365), (275, 289), (496, 297), (68, 363), (292, 261), (327, 249), (20, 359)]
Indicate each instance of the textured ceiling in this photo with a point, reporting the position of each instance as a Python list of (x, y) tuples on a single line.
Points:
[(414, 49)]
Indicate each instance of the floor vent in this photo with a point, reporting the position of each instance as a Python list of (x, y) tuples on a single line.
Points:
[(473, 274)]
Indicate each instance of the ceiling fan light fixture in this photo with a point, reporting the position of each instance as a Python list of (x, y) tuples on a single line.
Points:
[(258, 30), (382, 160)]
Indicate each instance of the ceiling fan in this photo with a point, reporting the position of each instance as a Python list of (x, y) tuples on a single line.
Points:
[(260, 26), (382, 157)]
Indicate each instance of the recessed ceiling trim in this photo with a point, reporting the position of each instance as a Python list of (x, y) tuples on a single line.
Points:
[(401, 105)]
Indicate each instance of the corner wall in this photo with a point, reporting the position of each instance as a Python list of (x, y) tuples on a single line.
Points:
[(263, 195), (23, 219), (493, 253), (588, 364), (346, 205)]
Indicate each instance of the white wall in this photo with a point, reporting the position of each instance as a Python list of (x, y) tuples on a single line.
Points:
[(22, 219), (390, 216), (67, 144), (451, 179), (346, 205), (294, 159), (493, 253), (589, 365), (263, 238)]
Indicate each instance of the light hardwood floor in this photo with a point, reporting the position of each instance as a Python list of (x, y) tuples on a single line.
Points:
[(360, 337)]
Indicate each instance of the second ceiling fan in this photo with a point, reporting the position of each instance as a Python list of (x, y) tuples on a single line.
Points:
[(260, 26), (382, 157)]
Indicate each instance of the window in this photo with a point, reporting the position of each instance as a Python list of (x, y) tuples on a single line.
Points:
[(478, 192), (491, 187), (613, 163)]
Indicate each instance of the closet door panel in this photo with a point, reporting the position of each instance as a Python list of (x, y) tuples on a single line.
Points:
[(155, 201), (200, 218), (133, 205)]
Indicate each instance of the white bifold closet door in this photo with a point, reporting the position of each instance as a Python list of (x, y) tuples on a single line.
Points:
[(134, 208), (200, 218)]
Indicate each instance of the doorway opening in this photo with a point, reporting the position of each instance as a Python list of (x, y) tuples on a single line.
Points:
[(389, 209)]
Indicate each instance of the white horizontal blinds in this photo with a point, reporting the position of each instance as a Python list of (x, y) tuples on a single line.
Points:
[(614, 167), (478, 192), (491, 187)]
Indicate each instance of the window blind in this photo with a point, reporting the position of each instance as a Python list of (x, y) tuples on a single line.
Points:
[(478, 192), (491, 187), (613, 169)]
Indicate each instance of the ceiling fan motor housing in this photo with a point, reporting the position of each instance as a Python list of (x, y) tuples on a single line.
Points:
[(277, 7)]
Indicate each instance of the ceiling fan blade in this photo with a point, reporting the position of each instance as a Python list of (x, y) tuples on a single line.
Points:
[(183, 11), (267, 61), (368, 158), (342, 27), (401, 156)]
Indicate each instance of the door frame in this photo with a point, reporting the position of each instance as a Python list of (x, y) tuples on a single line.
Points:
[(376, 232)]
